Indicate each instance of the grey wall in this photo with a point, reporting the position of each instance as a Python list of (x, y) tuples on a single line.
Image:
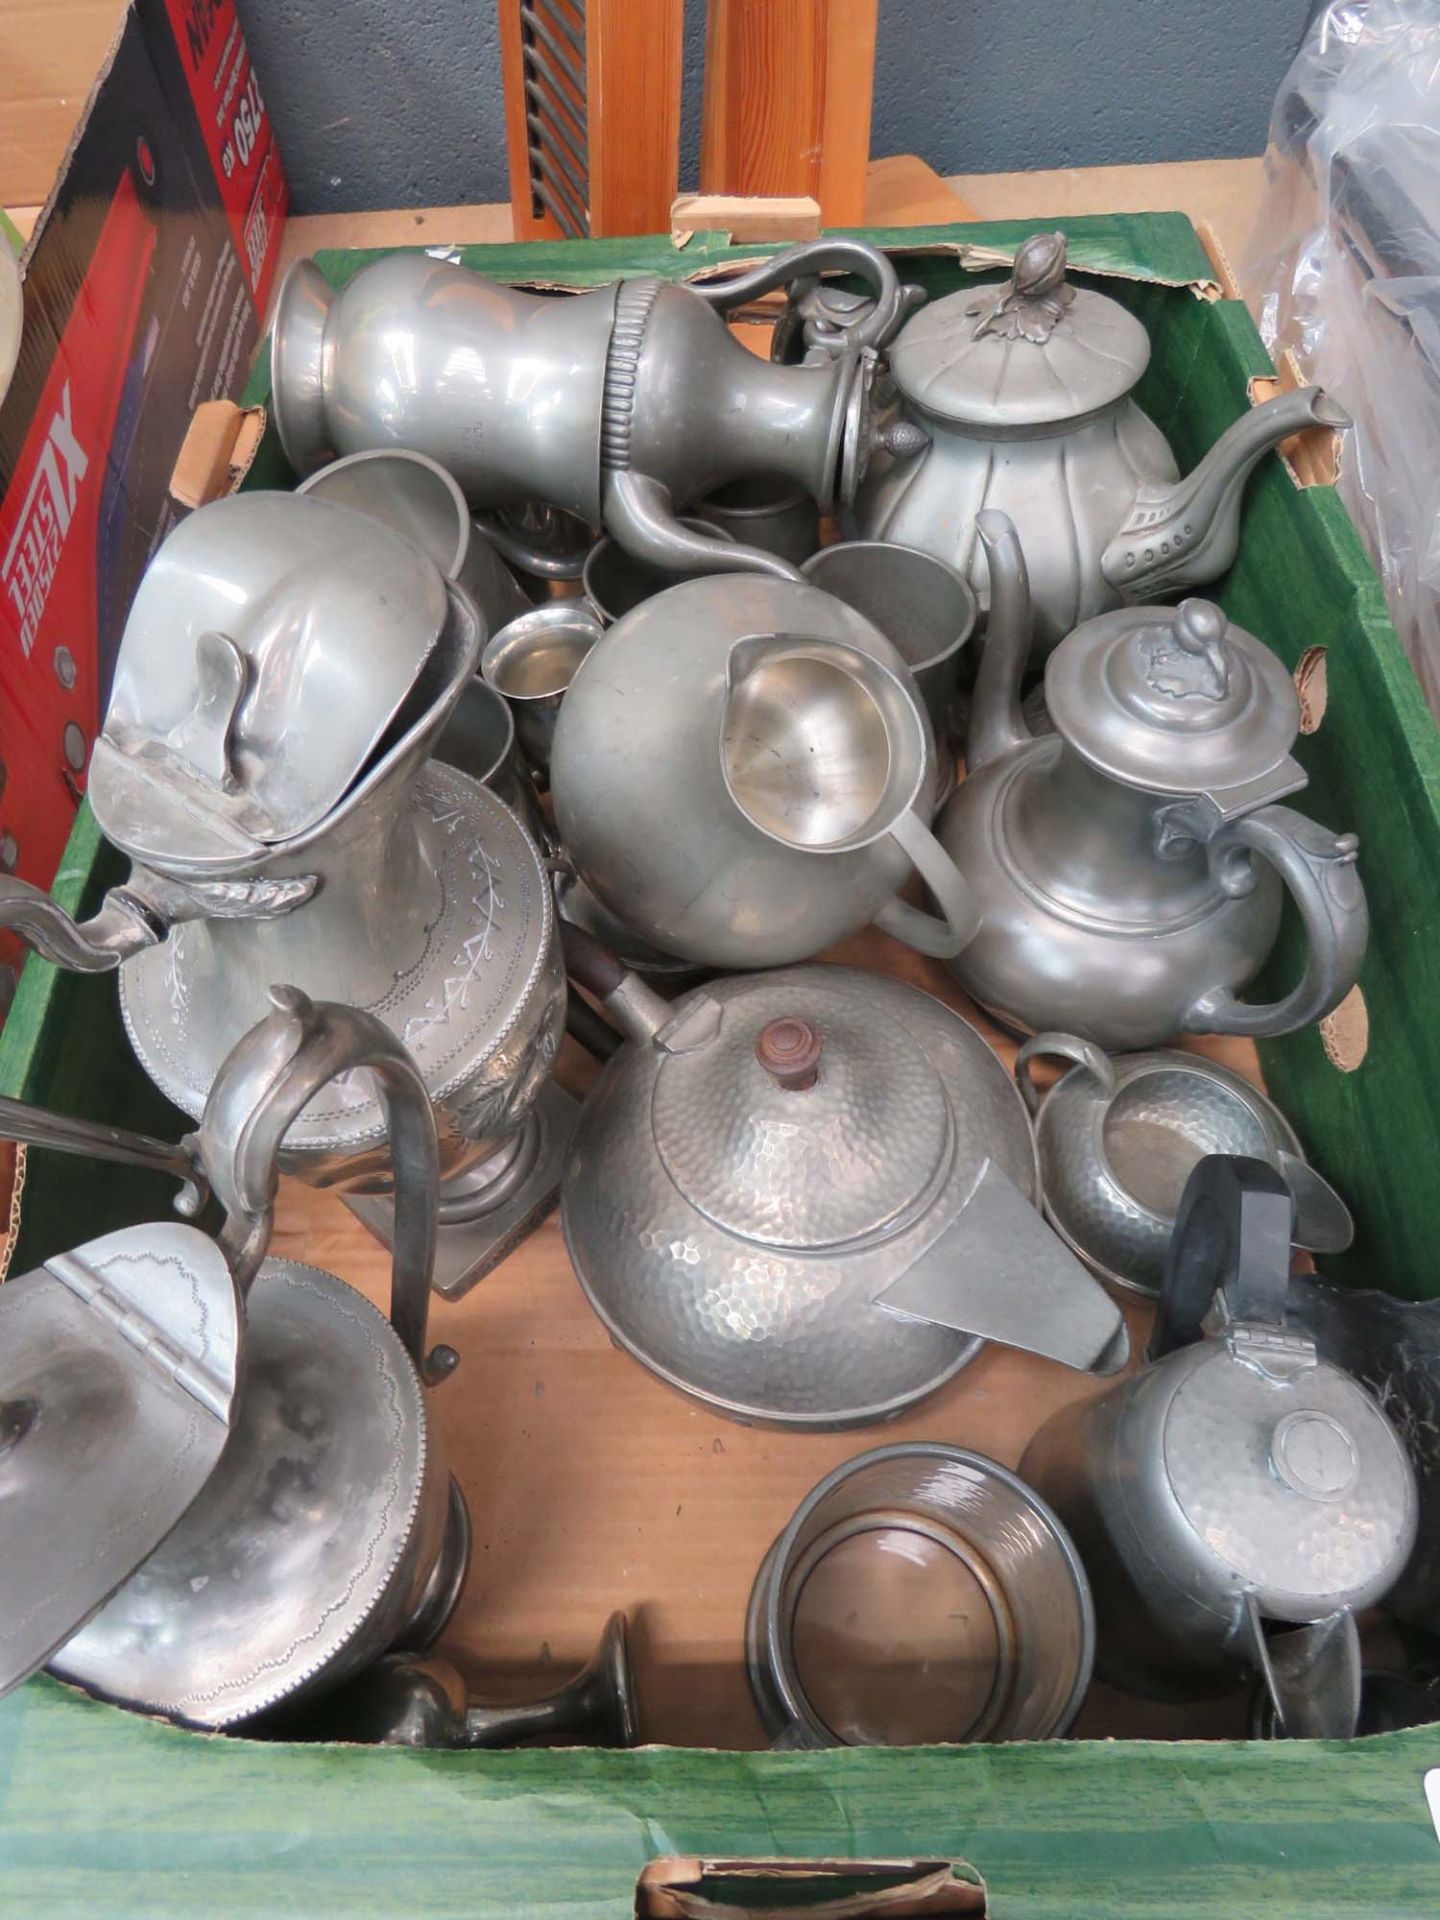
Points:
[(384, 103)]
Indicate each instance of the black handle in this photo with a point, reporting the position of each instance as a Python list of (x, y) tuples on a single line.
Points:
[(1232, 1231)]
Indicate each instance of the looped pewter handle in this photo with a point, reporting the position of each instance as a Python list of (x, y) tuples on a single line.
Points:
[(1319, 869), (1063, 1046), (265, 1082), (943, 935), (872, 328)]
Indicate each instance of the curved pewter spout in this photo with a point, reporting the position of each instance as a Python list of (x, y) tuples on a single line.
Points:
[(639, 514), (1182, 535), (137, 915), (997, 724)]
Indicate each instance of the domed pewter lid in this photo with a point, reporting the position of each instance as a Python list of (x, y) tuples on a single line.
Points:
[(803, 1130), (1033, 353), (803, 1197), (1289, 1474), (1173, 699), (273, 641)]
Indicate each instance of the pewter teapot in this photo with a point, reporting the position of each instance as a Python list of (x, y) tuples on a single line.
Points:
[(286, 669), (621, 405), (1129, 867), (806, 1197), (743, 773), (1239, 1501), (1021, 399)]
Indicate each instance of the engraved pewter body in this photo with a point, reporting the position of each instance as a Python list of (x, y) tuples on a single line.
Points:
[(805, 1197), (621, 405), (1021, 399), (1241, 1499), (1129, 868), (287, 668)]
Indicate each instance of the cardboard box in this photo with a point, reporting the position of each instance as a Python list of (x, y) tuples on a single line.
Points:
[(145, 280), (101, 1807)]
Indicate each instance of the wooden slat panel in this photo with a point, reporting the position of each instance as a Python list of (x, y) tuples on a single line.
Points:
[(529, 225), (788, 87), (634, 53)]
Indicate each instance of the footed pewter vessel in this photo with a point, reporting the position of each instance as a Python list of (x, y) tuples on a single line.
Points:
[(287, 668), (1021, 398)]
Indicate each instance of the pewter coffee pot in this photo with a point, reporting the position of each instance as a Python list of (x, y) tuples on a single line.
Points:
[(622, 405), (805, 1198), (1021, 398), (744, 772), (1238, 1502), (1129, 868), (287, 668), (329, 1529)]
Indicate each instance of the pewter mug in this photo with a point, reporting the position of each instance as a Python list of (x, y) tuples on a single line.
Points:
[(532, 661), (921, 605), (1129, 868), (742, 773), (1020, 399), (1241, 1499), (622, 405)]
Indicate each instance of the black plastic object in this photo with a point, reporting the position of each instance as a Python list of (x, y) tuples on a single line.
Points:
[(1232, 1233)]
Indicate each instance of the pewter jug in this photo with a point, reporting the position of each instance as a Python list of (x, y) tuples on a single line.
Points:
[(1241, 1499), (287, 668), (806, 1197), (743, 772), (1129, 868), (622, 405), (1021, 399)]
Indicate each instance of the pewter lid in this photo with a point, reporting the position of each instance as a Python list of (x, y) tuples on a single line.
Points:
[(272, 642), (303, 1525), (1289, 1474), (1173, 699), (1035, 352), (814, 1118), (117, 1378)]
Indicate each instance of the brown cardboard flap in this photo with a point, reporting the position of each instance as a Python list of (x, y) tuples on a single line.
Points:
[(747, 220), (217, 452), (1313, 457), (693, 1889)]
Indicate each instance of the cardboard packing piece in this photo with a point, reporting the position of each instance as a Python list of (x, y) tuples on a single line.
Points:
[(145, 280)]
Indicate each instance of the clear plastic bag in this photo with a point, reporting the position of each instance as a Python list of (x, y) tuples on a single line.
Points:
[(1343, 270)]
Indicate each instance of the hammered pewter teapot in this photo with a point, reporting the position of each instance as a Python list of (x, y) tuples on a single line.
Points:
[(1021, 398), (1240, 1500), (329, 1530), (1118, 1137), (743, 773), (806, 1197), (1129, 868), (286, 671), (621, 405)]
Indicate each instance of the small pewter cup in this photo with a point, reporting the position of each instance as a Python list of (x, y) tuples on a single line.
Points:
[(615, 581), (921, 1594), (921, 604), (532, 661), (761, 511)]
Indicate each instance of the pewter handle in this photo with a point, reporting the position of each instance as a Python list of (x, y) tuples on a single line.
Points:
[(945, 934), (1319, 869), (1232, 1235), (1064, 1046), (266, 1080), (38, 1127), (872, 329)]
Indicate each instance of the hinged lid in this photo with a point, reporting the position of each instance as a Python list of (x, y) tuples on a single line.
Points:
[(273, 640), (1289, 1473), (1033, 353), (812, 1118), (1175, 700), (117, 1377)]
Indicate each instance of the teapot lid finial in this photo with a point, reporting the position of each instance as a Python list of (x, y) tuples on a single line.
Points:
[(1032, 303)]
